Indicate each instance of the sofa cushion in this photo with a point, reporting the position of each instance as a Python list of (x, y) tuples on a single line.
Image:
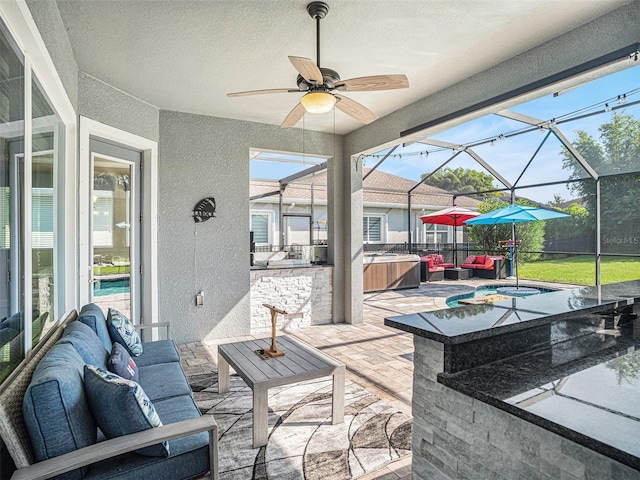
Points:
[(163, 380), (122, 331), (177, 409), (189, 455), (121, 363), (55, 410), (469, 259), (86, 343), (121, 407), (480, 259), (93, 316), (160, 351)]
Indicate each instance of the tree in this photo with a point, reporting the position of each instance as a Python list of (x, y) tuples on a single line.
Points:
[(460, 180), (615, 154), (529, 236), (570, 234)]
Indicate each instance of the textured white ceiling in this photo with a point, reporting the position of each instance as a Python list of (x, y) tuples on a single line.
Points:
[(185, 55)]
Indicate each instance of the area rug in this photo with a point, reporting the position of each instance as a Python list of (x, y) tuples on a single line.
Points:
[(302, 442)]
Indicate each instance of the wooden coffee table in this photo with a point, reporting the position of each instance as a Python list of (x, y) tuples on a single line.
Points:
[(300, 362)]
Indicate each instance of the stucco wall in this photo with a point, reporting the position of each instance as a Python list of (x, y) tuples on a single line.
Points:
[(100, 101), (209, 157), (47, 17)]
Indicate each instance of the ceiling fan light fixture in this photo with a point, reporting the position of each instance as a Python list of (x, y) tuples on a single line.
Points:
[(318, 102)]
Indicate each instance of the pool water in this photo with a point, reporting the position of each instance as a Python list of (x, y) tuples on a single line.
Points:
[(111, 287), (485, 291)]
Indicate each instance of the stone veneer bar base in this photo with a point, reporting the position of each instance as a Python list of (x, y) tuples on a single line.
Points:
[(305, 293), (458, 437)]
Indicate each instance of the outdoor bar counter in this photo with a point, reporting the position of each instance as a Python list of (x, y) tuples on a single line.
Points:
[(546, 386)]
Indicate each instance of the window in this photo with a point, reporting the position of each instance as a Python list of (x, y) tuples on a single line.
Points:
[(372, 229), (260, 226), (102, 218), (436, 234), (30, 201)]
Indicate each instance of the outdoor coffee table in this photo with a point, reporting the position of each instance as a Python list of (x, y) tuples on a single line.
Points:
[(300, 362), (458, 273)]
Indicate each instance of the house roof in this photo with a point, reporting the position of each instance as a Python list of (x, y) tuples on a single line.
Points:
[(379, 188)]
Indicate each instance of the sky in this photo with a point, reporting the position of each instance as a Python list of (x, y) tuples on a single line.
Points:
[(508, 156)]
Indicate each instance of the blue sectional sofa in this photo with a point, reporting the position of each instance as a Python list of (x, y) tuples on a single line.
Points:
[(60, 414)]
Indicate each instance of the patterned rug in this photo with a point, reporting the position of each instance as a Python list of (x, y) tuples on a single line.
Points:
[(302, 442)]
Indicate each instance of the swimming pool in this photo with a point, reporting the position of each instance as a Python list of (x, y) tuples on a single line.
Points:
[(484, 291), (111, 287)]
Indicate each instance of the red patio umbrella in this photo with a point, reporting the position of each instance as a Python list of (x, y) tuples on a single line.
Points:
[(453, 216)]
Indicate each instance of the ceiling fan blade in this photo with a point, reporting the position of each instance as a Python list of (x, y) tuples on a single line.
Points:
[(308, 69), (374, 82), (294, 116), (262, 92), (355, 109)]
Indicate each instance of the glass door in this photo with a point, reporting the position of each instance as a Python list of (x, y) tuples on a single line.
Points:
[(115, 226)]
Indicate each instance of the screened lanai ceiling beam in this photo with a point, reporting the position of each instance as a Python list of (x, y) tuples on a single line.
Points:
[(264, 195), (434, 172), (308, 171), (519, 117), (489, 168), (472, 154), (379, 163)]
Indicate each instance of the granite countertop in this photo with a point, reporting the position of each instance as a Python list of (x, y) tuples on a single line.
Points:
[(473, 322), (586, 388)]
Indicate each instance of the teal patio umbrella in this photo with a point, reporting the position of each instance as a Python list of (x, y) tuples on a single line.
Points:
[(515, 214)]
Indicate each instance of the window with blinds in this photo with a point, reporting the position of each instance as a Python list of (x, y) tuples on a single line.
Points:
[(103, 218), (371, 229), (42, 218), (260, 227), (5, 236)]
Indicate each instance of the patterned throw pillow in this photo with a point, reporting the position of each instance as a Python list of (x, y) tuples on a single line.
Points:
[(121, 363), (122, 331), (121, 407)]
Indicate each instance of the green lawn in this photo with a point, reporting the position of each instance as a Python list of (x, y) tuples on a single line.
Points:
[(110, 269), (581, 270)]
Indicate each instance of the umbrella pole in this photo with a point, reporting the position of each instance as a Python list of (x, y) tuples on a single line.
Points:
[(515, 254), (455, 244)]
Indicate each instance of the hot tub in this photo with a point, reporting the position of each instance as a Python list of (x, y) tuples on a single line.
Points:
[(390, 272)]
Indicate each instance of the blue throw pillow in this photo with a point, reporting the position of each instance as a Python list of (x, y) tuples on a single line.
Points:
[(121, 407), (121, 363), (123, 332)]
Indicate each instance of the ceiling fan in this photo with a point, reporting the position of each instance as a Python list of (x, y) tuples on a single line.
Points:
[(320, 84)]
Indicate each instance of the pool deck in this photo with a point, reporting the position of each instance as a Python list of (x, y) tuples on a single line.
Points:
[(432, 296)]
